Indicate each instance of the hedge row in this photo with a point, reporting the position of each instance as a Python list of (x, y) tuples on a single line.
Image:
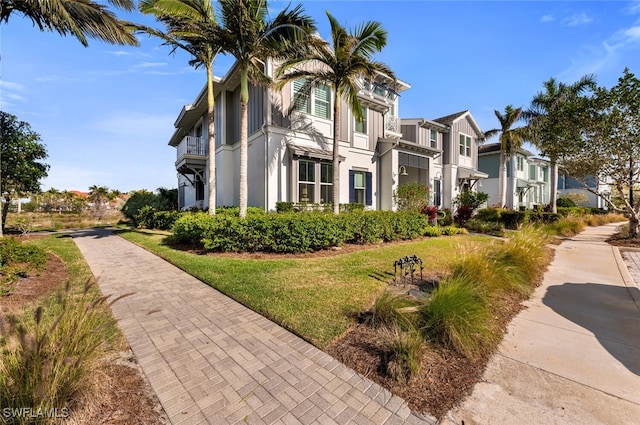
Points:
[(296, 232), (511, 219)]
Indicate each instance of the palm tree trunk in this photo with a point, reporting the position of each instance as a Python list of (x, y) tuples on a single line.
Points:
[(336, 153), (244, 122), (211, 164), (502, 180), (553, 192)]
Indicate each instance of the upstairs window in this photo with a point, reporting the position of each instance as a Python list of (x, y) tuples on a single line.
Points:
[(433, 139), (520, 163), (317, 102), (361, 125), (465, 145)]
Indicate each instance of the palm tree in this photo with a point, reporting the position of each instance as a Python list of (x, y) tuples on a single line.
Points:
[(79, 18), (511, 140), (552, 119), (251, 38), (340, 66), (191, 25)]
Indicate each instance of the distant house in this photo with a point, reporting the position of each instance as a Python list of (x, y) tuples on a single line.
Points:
[(290, 154), (572, 188), (527, 182)]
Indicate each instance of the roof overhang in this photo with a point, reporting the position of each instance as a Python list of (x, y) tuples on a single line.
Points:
[(471, 174), (310, 152)]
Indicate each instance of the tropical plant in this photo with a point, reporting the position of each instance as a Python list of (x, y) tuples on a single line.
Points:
[(341, 66), (79, 18), (191, 25), (100, 196), (554, 119), (251, 38), (511, 140)]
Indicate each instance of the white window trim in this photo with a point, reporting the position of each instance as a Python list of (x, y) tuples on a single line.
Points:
[(366, 122), (317, 184), (312, 103), (466, 147)]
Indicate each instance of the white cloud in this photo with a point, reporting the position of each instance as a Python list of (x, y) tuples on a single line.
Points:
[(119, 53), (11, 94), (150, 64), (577, 19), (547, 18), (633, 33), (634, 7)]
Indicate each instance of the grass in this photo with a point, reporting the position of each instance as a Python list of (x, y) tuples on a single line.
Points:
[(30, 222), (51, 350), (318, 298)]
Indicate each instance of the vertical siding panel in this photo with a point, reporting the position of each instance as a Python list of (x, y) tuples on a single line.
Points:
[(346, 125), (409, 133)]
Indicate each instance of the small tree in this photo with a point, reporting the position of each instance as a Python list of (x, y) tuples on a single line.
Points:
[(21, 154), (411, 197)]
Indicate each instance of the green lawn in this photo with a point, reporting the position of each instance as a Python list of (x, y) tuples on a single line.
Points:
[(317, 298)]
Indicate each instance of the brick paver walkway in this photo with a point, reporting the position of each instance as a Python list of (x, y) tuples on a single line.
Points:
[(211, 360)]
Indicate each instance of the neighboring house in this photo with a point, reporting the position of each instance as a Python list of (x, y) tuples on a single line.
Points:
[(527, 182), (442, 153), (291, 143), (572, 188)]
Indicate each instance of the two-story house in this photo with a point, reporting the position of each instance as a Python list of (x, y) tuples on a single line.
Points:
[(290, 147), (449, 146), (527, 182)]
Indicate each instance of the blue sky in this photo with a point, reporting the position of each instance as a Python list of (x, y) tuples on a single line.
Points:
[(106, 112)]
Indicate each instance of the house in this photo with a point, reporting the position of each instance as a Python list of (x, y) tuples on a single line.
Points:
[(576, 190), (290, 147), (527, 182), (448, 147)]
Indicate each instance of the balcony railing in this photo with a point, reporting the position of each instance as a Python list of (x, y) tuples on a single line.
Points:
[(191, 145)]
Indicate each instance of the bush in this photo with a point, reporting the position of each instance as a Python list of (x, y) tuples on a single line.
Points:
[(486, 227), (513, 219), (411, 197), (565, 202), (492, 215), (17, 260), (283, 207), (191, 228)]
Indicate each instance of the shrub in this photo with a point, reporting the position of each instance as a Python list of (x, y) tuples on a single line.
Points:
[(458, 316), (452, 230), (431, 211), (513, 219), (432, 231), (487, 227), (283, 207), (411, 197), (565, 202), (191, 228), (489, 214), (17, 260)]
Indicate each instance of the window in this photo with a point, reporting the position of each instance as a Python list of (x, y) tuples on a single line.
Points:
[(520, 163), (360, 187), (326, 183), (433, 138), (319, 98), (533, 172), (322, 101), (306, 181), (437, 193), (199, 190), (361, 125), (310, 173), (465, 145)]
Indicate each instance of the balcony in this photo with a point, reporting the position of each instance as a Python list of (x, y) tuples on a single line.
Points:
[(377, 96), (392, 127), (191, 154)]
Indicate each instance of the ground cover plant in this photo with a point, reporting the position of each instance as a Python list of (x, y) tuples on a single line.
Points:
[(60, 350)]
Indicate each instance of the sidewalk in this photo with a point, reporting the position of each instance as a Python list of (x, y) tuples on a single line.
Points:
[(573, 355), (211, 360)]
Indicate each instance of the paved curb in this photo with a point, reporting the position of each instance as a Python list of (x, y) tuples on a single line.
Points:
[(624, 267)]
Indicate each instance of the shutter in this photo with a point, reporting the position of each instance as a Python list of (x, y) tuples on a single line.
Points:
[(352, 186), (322, 101), (368, 191), (300, 98)]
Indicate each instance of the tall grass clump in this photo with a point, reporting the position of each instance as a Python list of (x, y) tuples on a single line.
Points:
[(570, 225), (394, 311), (459, 317), (48, 358), (402, 352)]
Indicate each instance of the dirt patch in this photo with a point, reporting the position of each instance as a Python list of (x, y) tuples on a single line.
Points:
[(121, 394)]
